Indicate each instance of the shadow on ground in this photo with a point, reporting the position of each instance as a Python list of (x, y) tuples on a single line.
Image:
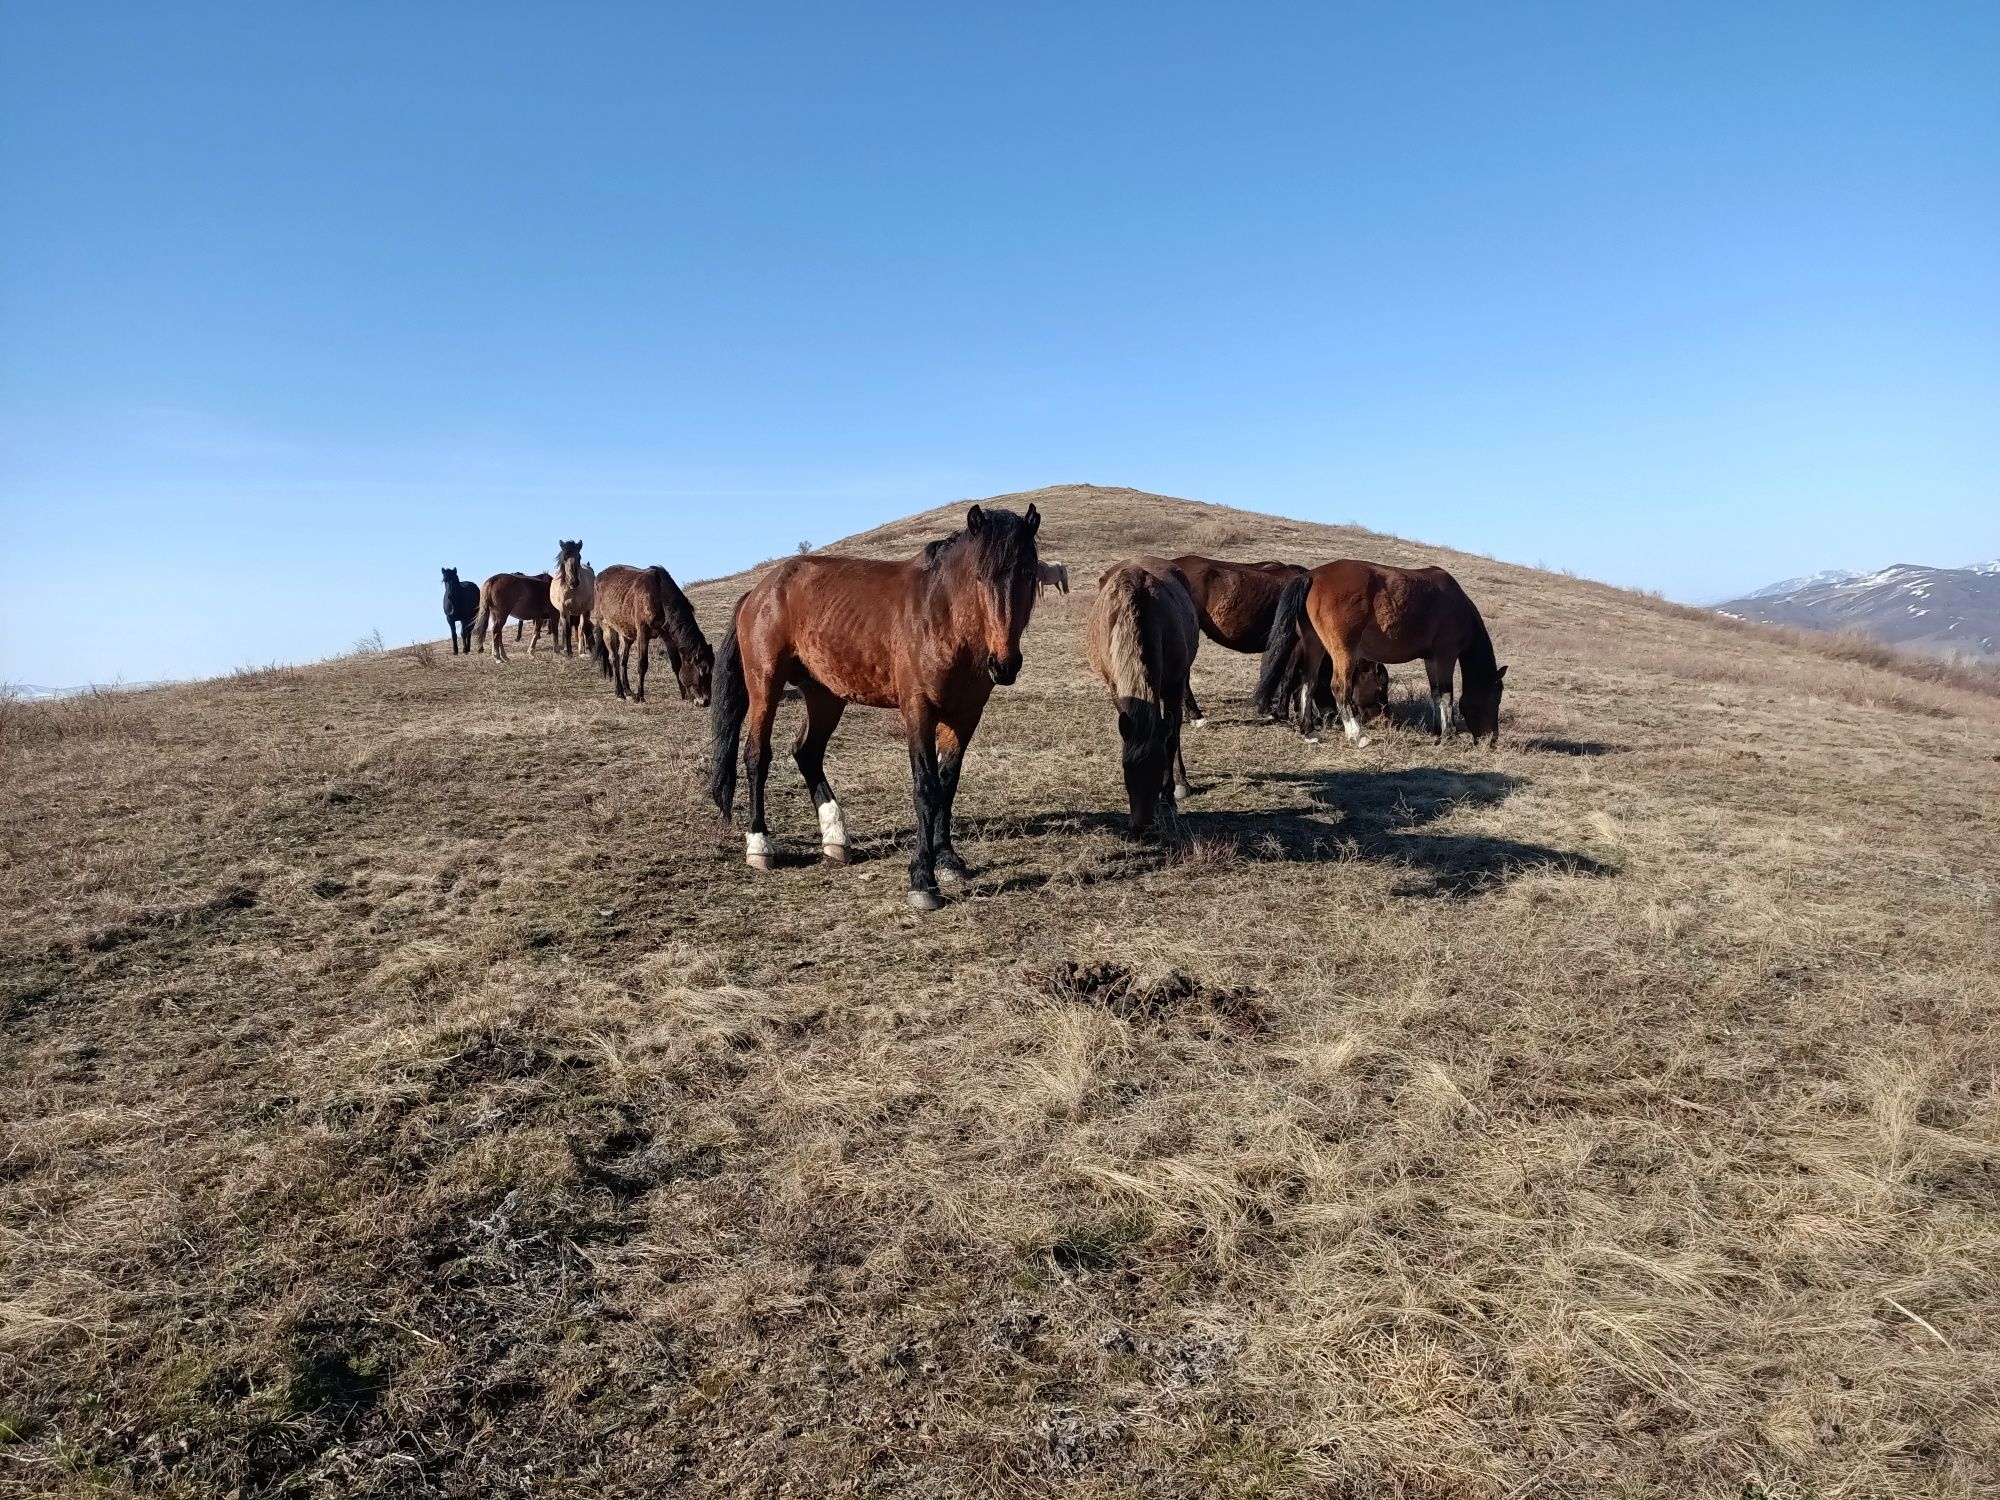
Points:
[(1370, 815)]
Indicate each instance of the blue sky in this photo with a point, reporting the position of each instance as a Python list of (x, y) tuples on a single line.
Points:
[(299, 303)]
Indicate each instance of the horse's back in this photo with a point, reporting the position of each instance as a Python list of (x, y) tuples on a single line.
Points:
[(1163, 621), (1389, 613), (843, 620)]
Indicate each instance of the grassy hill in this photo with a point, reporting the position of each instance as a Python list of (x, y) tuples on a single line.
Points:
[(407, 1090)]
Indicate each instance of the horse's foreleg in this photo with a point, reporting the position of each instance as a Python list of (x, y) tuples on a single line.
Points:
[(621, 657), (1438, 670), (645, 657), (822, 717), (952, 739), (765, 694), (927, 787)]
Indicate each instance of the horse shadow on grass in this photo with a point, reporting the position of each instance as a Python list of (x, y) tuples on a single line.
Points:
[(1379, 816)]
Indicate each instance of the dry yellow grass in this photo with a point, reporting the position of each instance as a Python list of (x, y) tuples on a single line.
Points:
[(407, 1090)]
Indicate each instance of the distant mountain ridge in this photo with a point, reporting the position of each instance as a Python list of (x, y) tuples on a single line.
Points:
[(1938, 611)]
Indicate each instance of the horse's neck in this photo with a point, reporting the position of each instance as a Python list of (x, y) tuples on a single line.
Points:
[(1475, 656)]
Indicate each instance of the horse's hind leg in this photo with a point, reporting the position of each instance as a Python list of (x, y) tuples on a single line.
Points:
[(1191, 710), (1346, 675), (621, 657), (764, 691), (500, 635), (823, 711)]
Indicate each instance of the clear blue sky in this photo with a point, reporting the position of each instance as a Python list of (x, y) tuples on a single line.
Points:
[(300, 302)]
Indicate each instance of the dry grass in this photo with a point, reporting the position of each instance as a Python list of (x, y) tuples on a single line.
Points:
[(408, 1091)]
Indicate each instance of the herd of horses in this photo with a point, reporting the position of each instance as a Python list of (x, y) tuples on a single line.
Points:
[(932, 636)]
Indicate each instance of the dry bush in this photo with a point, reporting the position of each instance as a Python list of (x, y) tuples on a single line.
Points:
[(94, 714), (408, 1091)]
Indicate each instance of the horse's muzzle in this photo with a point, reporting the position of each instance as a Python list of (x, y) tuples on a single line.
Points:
[(1003, 671)]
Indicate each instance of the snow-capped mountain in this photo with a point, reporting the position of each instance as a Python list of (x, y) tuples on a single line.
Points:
[(1941, 611)]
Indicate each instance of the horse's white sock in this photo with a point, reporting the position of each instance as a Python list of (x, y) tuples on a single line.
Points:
[(832, 826)]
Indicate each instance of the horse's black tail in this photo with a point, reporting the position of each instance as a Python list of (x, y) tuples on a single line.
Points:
[(725, 716), (1274, 677)]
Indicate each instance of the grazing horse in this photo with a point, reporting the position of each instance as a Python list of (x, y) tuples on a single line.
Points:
[(929, 637), (1053, 576), (520, 596), (1348, 610), (572, 594), (634, 605), (1142, 635), (461, 608)]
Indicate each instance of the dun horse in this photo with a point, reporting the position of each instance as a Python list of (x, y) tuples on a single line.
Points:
[(1053, 575), (461, 608), (572, 594), (1346, 611), (636, 605), (520, 596), (929, 637), (1142, 636)]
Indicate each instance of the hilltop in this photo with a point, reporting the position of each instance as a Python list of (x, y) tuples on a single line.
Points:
[(409, 1091)]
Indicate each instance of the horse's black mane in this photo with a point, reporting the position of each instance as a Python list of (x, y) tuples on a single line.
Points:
[(998, 545)]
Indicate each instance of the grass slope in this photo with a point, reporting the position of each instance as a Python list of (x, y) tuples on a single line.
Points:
[(406, 1089)]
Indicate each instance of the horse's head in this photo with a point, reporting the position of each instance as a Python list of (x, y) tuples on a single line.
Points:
[(569, 557), (1480, 704), (451, 576), (696, 673), (1006, 572)]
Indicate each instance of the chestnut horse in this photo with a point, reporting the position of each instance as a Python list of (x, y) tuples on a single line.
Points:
[(1346, 610), (1141, 640), (572, 594), (635, 605), (929, 637), (520, 596), (1236, 603), (461, 608)]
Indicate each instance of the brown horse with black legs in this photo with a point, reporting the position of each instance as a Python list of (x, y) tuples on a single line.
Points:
[(1141, 640), (1234, 604), (635, 607), (929, 637), (1349, 611), (520, 596)]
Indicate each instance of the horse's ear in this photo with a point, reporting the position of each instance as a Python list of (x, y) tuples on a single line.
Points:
[(1499, 674), (974, 519), (1033, 518)]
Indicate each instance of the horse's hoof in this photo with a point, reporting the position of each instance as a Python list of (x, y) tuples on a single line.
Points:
[(833, 854), (1311, 739), (1363, 743), (1197, 723), (759, 861), (925, 901), (1182, 793)]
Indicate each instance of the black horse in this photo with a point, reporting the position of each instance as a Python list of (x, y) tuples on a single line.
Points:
[(461, 608)]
